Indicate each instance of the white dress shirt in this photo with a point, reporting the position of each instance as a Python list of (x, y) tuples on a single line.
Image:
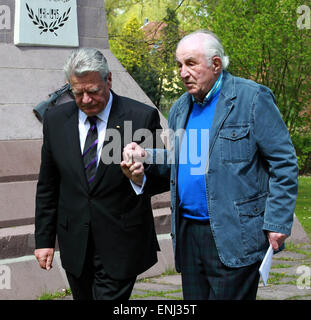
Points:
[(101, 124)]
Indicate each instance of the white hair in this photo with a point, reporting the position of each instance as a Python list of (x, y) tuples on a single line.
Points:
[(85, 60), (212, 46)]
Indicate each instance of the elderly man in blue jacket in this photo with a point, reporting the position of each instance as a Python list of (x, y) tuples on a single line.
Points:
[(225, 216)]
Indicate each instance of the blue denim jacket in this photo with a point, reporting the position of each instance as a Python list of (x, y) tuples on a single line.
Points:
[(252, 175)]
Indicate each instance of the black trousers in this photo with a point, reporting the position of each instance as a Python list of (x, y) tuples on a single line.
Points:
[(204, 276), (95, 284)]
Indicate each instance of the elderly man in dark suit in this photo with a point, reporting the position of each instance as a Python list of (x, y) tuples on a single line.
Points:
[(104, 228)]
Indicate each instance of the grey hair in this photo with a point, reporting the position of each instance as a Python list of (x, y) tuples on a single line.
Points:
[(212, 46), (86, 60)]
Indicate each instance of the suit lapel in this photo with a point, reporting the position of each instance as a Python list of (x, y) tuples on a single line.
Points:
[(73, 150), (114, 130)]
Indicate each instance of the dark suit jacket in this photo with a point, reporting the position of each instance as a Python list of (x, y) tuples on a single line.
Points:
[(121, 222)]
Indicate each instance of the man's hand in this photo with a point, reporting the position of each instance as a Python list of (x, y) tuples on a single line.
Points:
[(45, 257), (276, 239), (132, 164), (134, 153), (135, 172)]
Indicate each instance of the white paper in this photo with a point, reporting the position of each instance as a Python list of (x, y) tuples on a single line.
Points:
[(266, 265)]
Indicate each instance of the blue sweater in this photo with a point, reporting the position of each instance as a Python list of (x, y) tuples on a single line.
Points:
[(193, 159)]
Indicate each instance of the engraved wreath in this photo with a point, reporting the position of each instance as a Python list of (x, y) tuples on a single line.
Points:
[(42, 25)]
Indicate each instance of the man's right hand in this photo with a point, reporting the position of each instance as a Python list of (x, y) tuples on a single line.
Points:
[(134, 172), (45, 257)]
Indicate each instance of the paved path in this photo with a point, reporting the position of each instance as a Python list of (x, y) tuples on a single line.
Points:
[(291, 269)]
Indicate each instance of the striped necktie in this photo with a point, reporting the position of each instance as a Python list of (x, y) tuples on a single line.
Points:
[(90, 150)]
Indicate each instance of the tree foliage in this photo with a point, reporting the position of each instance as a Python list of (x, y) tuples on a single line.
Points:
[(163, 58), (132, 50), (149, 56), (264, 44)]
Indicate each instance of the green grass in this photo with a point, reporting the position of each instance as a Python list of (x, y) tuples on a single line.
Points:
[(303, 204), (298, 248), (162, 294), (281, 266), (275, 278), (55, 295), (169, 272)]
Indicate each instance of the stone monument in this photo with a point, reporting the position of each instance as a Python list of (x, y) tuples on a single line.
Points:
[(36, 36)]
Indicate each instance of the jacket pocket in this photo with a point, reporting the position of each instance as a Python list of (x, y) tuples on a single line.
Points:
[(234, 142), (251, 215)]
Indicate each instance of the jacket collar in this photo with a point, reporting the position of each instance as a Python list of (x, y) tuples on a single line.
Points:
[(228, 87), (223, 108)]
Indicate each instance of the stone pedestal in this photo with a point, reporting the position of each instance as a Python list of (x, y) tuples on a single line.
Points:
[(28, 75)]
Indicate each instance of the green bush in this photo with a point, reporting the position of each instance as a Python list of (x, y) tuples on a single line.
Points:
[(302, 143)]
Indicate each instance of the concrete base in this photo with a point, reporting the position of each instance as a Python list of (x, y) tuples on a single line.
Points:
[(165, 258), (23, 279)]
